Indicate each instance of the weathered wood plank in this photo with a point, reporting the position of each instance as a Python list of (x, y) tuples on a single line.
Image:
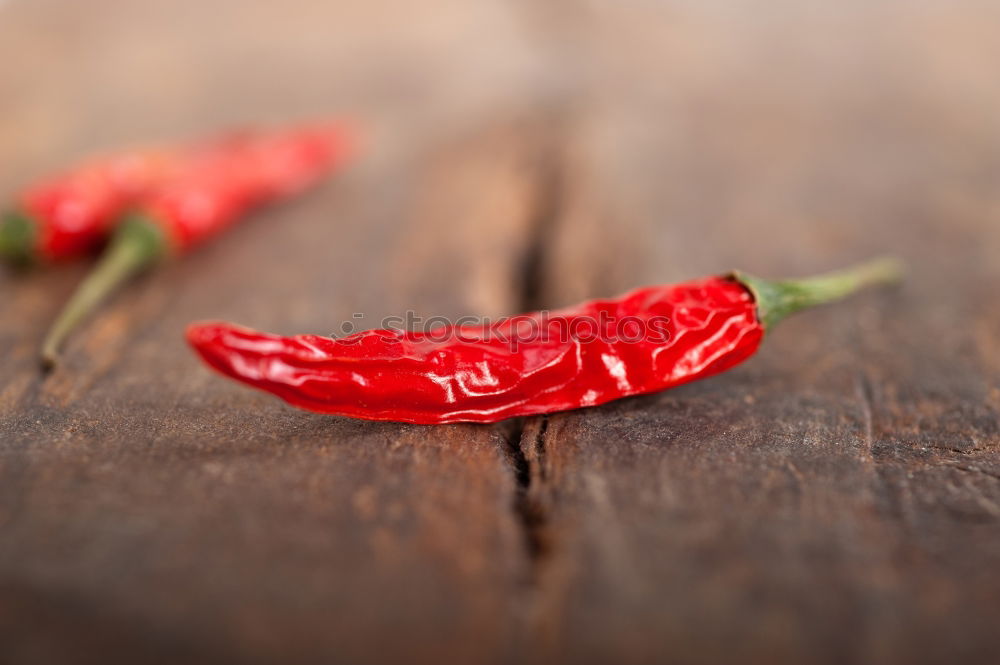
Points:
[(153, 512), (837, 498), (178, 515)]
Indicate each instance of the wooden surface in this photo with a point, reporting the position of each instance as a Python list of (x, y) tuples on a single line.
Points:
[(834, 500)]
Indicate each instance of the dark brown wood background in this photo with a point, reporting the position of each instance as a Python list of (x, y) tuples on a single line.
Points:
[(834, 500)]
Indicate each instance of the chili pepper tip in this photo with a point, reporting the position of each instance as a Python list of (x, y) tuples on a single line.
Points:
[(203, 332), (209, 338), (137, 244)]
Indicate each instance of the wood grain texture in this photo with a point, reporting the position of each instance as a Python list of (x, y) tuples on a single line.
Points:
[(836, 499), (151, 511)]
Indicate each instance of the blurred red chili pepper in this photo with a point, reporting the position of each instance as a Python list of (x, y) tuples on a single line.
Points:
[(238, 175), (73, 213), (210, 193), (476, 375)]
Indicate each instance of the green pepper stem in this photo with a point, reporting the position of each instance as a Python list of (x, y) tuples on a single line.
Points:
[(17, 238), (778, 299), (137, 244)]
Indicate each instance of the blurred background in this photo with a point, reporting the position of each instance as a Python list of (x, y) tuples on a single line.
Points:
[(731, 106)]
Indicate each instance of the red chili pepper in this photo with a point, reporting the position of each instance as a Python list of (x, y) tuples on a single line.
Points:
[(72, 214), (247, 171), (477, 375), (211, 192)]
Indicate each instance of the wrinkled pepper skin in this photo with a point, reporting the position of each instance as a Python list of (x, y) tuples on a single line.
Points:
[(72, 214), (710, 325)]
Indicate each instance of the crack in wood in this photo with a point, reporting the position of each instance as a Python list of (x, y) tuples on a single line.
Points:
[(526, 447), (526, 442), (532, 294), (866, 401)]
